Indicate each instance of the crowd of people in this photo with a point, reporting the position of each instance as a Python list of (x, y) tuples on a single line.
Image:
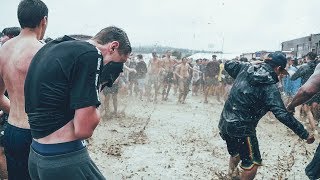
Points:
[(50, 96)]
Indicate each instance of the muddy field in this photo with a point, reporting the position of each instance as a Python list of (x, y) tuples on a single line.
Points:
[(168, 141)]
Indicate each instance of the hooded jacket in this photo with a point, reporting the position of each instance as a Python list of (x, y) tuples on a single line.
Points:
[(253, 94)]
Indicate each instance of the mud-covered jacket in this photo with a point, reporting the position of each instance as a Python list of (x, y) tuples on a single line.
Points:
[(253, 94)]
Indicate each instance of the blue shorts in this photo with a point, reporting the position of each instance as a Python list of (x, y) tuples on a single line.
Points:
[(17, 143)]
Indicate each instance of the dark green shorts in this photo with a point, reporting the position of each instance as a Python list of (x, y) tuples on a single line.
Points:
[(76, 165), (245, 147)]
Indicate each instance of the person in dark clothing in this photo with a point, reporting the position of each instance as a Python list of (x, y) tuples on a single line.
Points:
[(61, 99), (211, 77), (253, 94), (304, 72), (305, 93), (142, 70)]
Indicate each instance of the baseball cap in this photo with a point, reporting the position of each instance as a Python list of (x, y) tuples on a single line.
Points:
[(278, 58)]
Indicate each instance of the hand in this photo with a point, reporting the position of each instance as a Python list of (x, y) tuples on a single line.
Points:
[(310, 139), (290, 109)]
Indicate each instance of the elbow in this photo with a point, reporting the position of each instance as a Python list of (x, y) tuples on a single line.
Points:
[(308, 92), (85, 130)]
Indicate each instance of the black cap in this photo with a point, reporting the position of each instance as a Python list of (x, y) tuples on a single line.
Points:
[(279, 59)]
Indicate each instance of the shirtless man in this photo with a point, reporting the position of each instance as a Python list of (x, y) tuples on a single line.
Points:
[(7, 34), (15, 58), (182, 72), (154, 68), (167, 65), (305, 93)]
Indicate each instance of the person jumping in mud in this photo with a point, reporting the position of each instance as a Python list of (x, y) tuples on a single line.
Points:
[(305, 93), (253, 94)]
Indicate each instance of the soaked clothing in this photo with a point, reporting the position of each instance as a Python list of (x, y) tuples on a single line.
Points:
[(253, 94), (245, 147), (168, 77), (75, 165), (16, 148), (62, 77), (313, 168)]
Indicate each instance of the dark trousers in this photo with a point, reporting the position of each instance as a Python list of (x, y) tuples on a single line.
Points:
[(75, 165), (17, 147)]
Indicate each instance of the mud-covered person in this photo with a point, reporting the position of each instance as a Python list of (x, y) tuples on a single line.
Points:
[(253, 94), (62, 96), (141, 75), (15, 57), (211, 78), (6, 34), (304, 94)]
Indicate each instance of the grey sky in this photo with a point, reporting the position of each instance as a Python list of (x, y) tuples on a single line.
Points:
[(243, 25)]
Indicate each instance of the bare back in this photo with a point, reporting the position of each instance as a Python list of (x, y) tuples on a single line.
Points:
[(15, 57)]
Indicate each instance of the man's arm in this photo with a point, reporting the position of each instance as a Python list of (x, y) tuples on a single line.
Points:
[(300, 72), (233, 67), (85, 121), (307, 91), (4, 101), (275, 104)]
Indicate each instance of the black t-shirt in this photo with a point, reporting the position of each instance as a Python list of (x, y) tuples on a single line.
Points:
[(212, 69), (141, 69), (62, 77)]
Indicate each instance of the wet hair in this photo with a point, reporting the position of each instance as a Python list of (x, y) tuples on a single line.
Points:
[(31, 12), (11, 31), (113, 33), (80, 37), (139, 56), (311, 55), (48, 39), (244, 59)]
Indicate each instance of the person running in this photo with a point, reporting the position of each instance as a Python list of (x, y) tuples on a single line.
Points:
[(111, 91), (61, 91), (196, 78), (153, 76), (167, 65), (15, 57), (182, 72), (309, 89), (142, 70), (253, 94)]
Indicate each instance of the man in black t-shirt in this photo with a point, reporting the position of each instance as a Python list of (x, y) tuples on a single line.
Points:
[(61, 91), (142, 70)]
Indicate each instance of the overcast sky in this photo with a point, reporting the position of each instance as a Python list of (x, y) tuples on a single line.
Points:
[(231, 25)]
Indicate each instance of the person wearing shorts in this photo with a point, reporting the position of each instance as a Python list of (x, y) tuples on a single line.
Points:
[(253, 94)]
